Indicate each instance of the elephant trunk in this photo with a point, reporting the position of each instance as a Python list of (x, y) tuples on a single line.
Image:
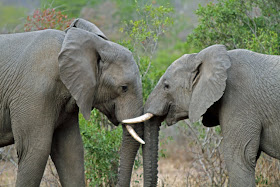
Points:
[(128, 152), (150, 152)]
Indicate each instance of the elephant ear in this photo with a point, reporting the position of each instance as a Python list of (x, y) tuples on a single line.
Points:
[(212, 64), (86, 25), (78, 66)]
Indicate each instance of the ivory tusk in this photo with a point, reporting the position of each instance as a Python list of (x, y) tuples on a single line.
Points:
[(134, 134), (139, 119)]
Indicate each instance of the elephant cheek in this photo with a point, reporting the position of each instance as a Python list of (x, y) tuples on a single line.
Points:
[(129, 108)]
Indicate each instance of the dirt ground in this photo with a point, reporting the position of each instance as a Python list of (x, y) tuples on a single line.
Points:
[(7, 177), (171, 174)]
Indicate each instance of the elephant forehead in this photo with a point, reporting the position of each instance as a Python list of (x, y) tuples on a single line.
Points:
[(175, 68), (124, 73), (123, 57), (122, 52), (185, 63)]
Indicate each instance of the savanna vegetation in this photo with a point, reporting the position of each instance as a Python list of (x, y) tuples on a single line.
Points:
[(157, 32)]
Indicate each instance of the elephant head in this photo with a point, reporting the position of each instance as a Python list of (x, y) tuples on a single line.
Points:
[(188, 89), (102, 74)]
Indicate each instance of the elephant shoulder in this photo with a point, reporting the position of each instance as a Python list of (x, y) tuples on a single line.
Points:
[(51, 34), (47, 40), (39, 60)]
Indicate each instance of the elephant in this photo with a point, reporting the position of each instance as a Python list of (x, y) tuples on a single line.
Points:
[(236, 89), (46, 78)]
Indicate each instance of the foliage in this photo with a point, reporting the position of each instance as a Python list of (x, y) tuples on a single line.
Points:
[(169, 54), (71, 7), (10, 15), (101, 150), (47, 19), (143, 35), (247, 24), (126, 8)]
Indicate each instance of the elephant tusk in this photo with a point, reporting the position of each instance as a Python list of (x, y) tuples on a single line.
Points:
[(134, 134), (139, 119)]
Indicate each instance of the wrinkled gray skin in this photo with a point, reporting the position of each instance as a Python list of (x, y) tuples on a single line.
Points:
[(238, 90), (46, 77)]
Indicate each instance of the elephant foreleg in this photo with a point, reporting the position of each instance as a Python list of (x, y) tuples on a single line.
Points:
[(68, 153), (241, 151)]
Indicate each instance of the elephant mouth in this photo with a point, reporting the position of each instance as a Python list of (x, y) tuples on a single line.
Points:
[(112, 116), (171, 116), (106, 109)]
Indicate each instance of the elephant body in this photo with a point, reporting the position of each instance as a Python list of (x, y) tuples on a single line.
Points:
[(248, 113), (46, 77), (238, 90), (25, 116), (22, 72)]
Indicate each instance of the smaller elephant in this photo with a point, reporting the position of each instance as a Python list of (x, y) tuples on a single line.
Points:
[(237, 89), (46, 78)]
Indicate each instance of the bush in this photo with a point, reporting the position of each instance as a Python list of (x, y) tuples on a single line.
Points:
[(246, 24), (101, 150), (47, 19), (71, 7), (143, 35)]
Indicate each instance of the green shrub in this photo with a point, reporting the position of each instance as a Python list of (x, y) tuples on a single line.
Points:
[(247, 24), (71, 7), (101, 150), (143, 33)]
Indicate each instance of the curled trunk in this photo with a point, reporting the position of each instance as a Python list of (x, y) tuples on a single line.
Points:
[(150, 152)]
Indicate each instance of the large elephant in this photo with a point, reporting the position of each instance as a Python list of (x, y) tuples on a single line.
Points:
[(237, 89), (46, 78)]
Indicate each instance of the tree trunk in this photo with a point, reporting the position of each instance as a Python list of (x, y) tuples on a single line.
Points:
[(150, 152)]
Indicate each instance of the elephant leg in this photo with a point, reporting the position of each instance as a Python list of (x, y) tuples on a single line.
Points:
[(67, 153), (241, 151), (33, 147)]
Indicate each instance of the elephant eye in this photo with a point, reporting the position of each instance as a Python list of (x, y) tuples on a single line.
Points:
[(166, 86), (124, 89)]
